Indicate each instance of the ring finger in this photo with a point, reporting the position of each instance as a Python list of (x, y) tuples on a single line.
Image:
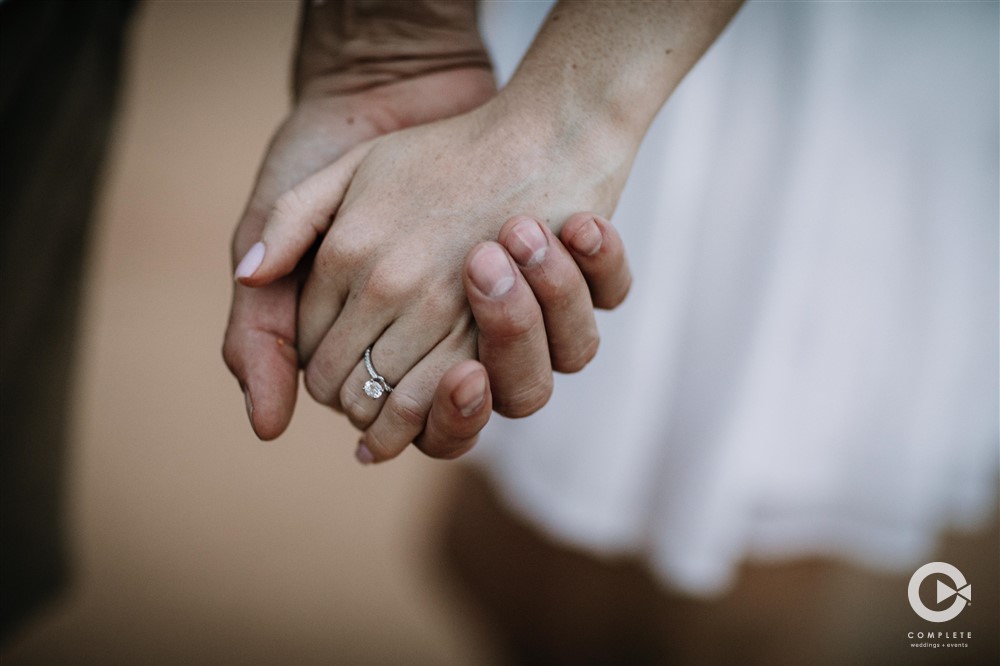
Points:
[(404, 415), (392, 357)]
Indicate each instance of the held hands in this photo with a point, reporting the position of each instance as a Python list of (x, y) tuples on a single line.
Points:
[(527, 311), (388, 274), (409, 207), (259, 345), (544, 314)]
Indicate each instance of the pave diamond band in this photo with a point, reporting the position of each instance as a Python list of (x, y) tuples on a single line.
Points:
[(376, 386)]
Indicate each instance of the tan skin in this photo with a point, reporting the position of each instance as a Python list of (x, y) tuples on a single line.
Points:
[(409, 207), (340, 102)]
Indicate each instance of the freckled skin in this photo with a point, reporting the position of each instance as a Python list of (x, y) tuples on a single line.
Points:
[(388, 272)]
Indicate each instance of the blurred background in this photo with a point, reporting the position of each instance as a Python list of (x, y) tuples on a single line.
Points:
[(191, 541)]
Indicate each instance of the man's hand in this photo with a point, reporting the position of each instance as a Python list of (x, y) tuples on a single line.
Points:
[(546, 314), (358, 75)]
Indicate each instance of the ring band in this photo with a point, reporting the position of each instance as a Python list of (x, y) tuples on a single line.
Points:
[(376, 386)]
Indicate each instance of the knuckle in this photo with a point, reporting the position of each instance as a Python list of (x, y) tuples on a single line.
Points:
[(567, 282), (355, 408), (525, 401), (328, 258), (340, 251), (582, 354), (514, 326), (289, 205), (407, 410), (316, 384), (443, 304), (387, 285), (435, 445)]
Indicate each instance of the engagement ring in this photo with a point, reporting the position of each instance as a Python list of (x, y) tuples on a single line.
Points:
[(376, 386)]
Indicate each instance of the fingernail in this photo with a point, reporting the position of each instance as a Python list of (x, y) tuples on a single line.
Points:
[(587, 240), (249, 402), (470, 393), (364, 454), (491, 271), (250, 262), (527, 243)]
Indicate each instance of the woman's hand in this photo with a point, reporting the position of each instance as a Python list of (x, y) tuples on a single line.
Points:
[(261, 337)]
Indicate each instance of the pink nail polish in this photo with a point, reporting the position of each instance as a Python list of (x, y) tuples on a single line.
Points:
[(250, 262), (364, 454)]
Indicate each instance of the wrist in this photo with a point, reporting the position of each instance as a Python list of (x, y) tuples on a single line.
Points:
[(568, 137), (350, 46), (559, 120), (392, 64), (566, 165), (413, 101)]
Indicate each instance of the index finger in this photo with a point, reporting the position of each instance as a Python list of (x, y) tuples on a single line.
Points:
[(512, 338), (259, 349)]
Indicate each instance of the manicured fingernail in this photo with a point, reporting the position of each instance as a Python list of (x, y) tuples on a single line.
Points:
[(527, 243), (470, 393), (249, 402), (587, 240), (250, 262), (364, 454), (491, 271)]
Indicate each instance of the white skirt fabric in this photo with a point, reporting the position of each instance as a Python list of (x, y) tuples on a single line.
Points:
[(807, 363)]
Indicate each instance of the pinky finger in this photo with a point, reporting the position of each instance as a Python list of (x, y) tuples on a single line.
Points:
[(599, 252), (461, 408)]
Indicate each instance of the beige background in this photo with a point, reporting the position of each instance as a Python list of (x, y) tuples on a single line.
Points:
[(194, 542)]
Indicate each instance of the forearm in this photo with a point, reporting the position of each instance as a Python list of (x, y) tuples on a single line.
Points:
[(606, 68), (350, 46)]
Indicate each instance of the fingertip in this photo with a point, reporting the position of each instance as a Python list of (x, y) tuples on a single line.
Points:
[(605, 268), (528, 243), (490, 271), (250, 263), (469, 396), (268, 427), (363, 454), (527, 402), (511, 223), (462, 407), (583, 234), (270, 403)]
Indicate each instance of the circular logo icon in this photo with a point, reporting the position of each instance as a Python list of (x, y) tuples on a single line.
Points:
[(960, 589)]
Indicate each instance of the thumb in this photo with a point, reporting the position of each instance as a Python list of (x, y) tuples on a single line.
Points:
[(298, 218), (259, 349)]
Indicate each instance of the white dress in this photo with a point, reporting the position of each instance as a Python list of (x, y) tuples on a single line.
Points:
[(807, 363)]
